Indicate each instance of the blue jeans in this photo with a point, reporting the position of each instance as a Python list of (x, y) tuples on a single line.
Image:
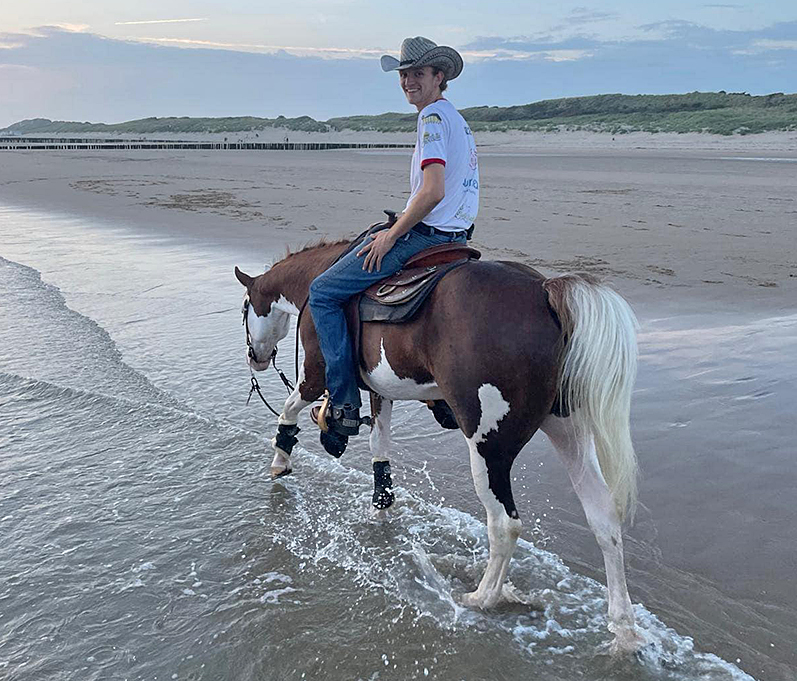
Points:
[(329, 293)]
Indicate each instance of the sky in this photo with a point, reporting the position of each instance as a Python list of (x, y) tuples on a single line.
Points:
[(110, 61)]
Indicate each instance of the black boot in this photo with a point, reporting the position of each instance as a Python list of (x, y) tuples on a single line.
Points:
[(383, 486), (344, 420), (340, 422), (334, 443)]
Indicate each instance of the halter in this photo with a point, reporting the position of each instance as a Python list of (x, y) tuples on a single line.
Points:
[(255, 386)]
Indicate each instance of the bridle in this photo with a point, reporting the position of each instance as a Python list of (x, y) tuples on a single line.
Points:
[(254, 385)]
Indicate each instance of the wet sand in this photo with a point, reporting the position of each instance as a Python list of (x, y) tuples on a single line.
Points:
[(700, 241)]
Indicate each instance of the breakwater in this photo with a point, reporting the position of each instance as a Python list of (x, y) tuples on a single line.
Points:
[(67, 144)]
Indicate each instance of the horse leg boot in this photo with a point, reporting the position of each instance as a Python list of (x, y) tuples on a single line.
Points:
[(492, 482), (577, 449), (287, 429), (381, 411)]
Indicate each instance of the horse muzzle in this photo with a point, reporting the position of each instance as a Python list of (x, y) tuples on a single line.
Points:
[(255, 364)]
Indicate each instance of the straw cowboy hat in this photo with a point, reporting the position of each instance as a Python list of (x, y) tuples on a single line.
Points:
[(417, 52)]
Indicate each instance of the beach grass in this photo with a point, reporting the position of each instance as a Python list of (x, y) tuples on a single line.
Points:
[(720, 113)]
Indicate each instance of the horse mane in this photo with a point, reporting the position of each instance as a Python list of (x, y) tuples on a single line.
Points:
[(312, 245), (290, 254)]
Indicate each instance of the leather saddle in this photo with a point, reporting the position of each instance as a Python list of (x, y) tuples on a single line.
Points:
[(398, 297)]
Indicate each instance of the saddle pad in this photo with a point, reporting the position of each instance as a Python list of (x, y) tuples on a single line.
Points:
[(372, 310)]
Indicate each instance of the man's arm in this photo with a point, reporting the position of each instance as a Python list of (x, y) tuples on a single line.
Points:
[(432, 192)]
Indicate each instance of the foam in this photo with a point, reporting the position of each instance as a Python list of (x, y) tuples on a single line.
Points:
[(435, 552)]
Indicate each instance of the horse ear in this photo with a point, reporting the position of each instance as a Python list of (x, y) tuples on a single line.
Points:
[(243, 277)]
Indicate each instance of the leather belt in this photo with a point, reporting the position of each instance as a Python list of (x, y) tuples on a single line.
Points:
[(428, 230)]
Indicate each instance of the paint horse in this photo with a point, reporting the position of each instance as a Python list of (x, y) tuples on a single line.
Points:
[(510, 352)]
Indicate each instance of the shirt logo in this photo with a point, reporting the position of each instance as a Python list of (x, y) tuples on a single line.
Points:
[(431, 119), (463, 214), (472, 182), (431, 137)]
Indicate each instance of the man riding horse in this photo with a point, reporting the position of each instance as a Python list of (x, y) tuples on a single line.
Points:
[(506, 349), (443, 203)]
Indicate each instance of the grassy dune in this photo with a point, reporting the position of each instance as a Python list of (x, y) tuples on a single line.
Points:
[(712, 112)]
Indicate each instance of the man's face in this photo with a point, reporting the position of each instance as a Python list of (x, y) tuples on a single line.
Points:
[(421, 86)]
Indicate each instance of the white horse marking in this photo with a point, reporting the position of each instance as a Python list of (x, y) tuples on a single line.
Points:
[(502, 530), (493, 408), (384, 381), (289, 416), (265, 332), (380, 435), (576, 447), (294, 404), (285, 305)]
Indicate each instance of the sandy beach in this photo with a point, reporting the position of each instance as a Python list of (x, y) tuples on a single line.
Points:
[(696, 231), (676, 219)]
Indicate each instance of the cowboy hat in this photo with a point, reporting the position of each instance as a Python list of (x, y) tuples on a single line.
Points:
[(418, 52)]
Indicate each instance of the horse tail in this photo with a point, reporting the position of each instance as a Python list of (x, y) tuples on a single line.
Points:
[(597, 373)]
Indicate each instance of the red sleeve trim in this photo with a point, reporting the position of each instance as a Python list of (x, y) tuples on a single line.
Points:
[(429, 161)]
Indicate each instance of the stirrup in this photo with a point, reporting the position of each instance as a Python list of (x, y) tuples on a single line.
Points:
[(335, 419), (318, 414)]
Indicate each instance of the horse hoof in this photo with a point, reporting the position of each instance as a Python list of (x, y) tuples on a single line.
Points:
[(383, 500), (627, 641), (280, 472), (380, 513), (473, 600), (334, 443)]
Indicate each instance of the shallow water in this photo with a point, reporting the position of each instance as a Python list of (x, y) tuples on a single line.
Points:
[(143, 539)]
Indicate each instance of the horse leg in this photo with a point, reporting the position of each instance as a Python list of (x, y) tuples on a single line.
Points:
[(576, 446), (381, 411), (491, 455), (302, 396)]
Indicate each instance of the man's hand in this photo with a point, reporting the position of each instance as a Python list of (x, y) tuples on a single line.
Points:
[(378, 248)]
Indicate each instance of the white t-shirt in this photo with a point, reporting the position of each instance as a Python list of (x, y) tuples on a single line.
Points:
[(444, 137)]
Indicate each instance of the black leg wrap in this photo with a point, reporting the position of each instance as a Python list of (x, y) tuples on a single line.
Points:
[(383, 486), (286, 437), (334, 443), (443, 415)]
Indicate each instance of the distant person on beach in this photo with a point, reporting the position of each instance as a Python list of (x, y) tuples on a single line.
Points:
[(444, 200)]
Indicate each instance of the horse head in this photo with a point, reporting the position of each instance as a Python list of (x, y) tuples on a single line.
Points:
[(266, 317)]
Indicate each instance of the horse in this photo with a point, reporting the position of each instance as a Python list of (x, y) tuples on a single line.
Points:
[(510, 352)]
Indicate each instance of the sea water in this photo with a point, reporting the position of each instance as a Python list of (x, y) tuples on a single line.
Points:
[(143, 539)]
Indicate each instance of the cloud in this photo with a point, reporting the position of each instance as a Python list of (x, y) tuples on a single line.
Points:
[(674, 36), (83, 76), (296, 50), (70, 75), (157, 21), (580, 16)]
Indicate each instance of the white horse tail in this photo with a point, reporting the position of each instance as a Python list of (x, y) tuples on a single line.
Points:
[(597, 374)]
